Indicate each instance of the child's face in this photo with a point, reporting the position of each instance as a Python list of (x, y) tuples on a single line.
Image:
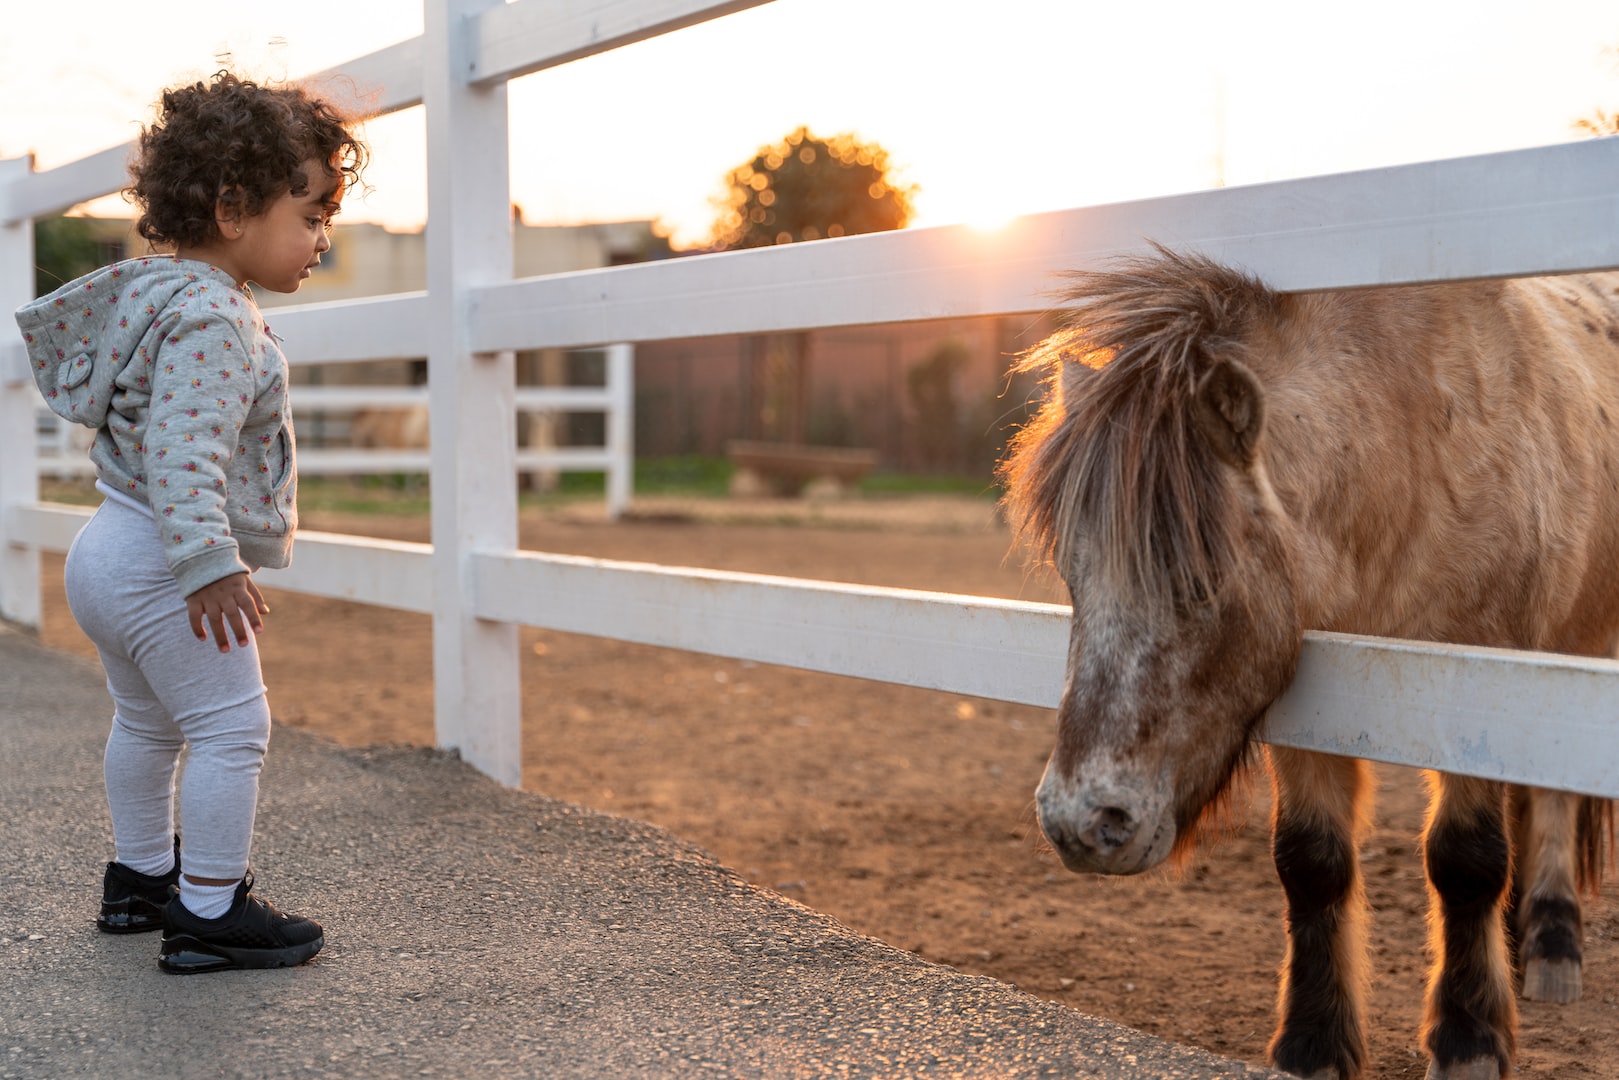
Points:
[(280, 246)]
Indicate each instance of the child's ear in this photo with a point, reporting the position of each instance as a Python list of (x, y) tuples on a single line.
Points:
[(228, 213)]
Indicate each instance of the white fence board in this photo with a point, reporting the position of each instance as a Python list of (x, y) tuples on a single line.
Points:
[(372, 328), (519, 38), (381, 82), (41, 194), (1485, 216), (971, 645), (377, 83), (1534, 718), (336, 461), (526, 398), (1522, 717), (47, 526), (389, 573)]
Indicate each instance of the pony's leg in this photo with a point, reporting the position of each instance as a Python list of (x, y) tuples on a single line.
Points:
[(1471, 1019), (1546, 898), (1322, 805)]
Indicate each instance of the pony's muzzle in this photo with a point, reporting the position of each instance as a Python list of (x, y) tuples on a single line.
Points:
[(1109, 829), (1095, 834)]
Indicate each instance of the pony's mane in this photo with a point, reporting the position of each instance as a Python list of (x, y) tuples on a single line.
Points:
[(1113, 444)]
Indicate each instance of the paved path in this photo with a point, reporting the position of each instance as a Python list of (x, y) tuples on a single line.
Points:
[(471, 931)]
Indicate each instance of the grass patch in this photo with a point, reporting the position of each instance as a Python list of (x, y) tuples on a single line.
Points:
[(685, 476), (902, 484)]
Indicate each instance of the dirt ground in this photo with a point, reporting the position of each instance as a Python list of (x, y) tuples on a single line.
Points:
[(906, 814)]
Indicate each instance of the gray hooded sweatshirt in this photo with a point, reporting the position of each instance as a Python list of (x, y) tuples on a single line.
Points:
[(172, 364)]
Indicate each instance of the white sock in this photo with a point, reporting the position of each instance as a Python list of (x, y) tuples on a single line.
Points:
[(155, 868), (206, 901)]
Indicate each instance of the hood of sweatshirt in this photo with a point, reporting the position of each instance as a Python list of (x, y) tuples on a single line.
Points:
[(81, 337)]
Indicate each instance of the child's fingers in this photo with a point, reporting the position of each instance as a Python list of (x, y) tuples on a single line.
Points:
[(258, 601), (229, 607), (194, 612)]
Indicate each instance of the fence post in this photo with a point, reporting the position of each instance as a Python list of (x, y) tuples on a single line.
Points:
[(472, 432), (620, 428), (19, 466)]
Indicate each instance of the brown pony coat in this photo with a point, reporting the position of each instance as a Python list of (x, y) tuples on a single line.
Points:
[(1435, 462), (1422, 440)]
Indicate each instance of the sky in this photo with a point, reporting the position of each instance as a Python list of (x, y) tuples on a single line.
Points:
[(1014, 107)]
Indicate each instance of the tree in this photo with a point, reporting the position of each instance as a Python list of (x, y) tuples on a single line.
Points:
[(803, 188), (64, 248), (808, 188), (1598, 123)]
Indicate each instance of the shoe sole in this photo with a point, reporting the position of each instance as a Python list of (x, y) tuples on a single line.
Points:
[(132, 916), (129, 924), (184, 954)]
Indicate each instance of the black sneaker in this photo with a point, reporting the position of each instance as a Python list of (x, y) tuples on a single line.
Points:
[(131, 902), (252, 934)]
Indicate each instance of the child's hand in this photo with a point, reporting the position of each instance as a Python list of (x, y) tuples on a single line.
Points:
[(227, 600)]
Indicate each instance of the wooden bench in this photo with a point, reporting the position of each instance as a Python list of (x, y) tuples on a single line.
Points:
[(785, 469)]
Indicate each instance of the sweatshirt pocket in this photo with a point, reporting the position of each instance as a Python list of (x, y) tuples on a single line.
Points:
[(282, 470)]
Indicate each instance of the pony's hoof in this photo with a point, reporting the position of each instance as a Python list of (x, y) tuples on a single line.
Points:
[(1557, 981), (1477, 1069)]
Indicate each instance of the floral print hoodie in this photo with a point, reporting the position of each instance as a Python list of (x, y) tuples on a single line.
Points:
[(172, 364)]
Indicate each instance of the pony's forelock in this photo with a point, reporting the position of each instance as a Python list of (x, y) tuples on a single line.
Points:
[(1112, 448)]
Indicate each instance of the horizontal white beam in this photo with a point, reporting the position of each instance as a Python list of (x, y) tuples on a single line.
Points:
[(377, 83), (370, 328), (969, 645), (1521, 717), (43, 194), (335, 461), (323, 398), (515, 39), (566, 459), (47, 526), (65, 468), (389, 573), (381, 82), (1536, 718), (528, 398), (340, 461), (1485, 216), (563, 398)]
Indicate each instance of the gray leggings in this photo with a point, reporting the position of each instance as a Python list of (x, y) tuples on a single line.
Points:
[(169, 692)]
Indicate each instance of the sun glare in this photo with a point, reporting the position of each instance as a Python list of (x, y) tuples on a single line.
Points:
[(989, 220), (981, 208)]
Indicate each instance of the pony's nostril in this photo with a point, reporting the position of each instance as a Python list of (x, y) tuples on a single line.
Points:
[(1111, 829)]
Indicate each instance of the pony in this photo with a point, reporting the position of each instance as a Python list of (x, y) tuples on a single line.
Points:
[(1217, 467)]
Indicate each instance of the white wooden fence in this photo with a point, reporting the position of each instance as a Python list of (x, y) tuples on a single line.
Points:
[(63, 446), (1536, 718)]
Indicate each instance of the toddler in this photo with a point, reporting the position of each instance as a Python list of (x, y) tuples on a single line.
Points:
[(169, 359)]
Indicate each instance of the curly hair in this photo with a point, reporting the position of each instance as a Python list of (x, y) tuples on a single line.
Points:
[(236, 142)]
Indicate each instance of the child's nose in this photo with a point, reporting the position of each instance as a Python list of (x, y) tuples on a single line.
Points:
[(325, 241)]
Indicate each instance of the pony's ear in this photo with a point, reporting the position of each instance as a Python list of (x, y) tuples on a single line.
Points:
[(1229, 409)]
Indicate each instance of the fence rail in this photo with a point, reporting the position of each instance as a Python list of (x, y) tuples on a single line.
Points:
[(1519, 716)]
